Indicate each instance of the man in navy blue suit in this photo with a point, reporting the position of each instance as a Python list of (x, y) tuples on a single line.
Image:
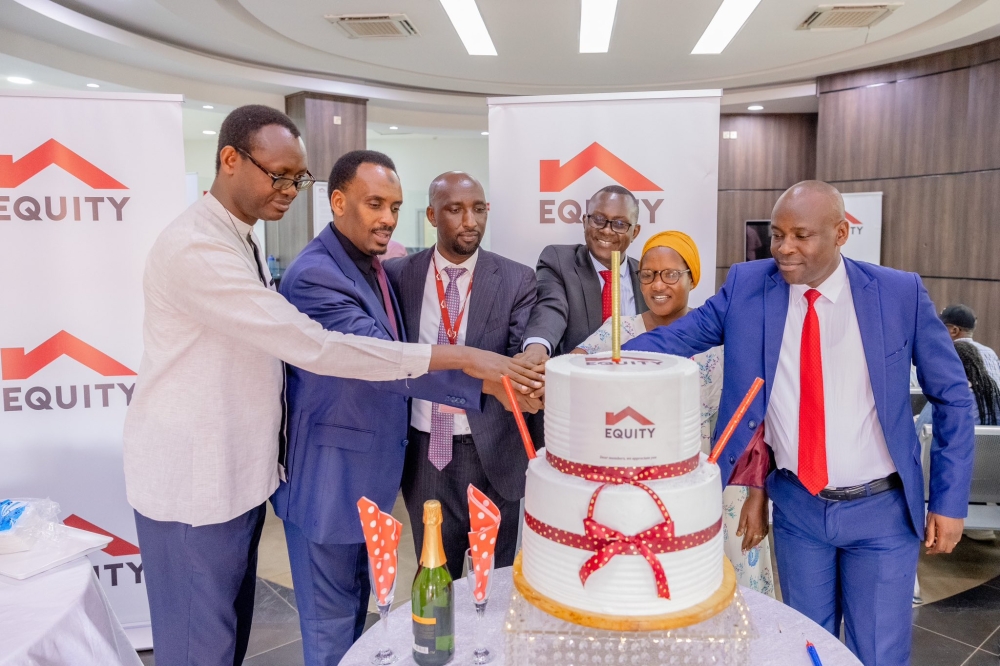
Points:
[(833, 339), (347, 438)]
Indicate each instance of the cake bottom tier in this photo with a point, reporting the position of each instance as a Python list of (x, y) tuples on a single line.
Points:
[(626, 584)]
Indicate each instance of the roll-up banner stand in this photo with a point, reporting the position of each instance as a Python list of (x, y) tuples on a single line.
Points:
[(550, 154), (87, 182), (864, 218)]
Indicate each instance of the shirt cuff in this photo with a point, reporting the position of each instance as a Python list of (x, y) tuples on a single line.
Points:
[(540, 341), (416, 360)]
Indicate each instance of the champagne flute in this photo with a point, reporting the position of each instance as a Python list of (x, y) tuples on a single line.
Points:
[(480, 655), (384, 656)]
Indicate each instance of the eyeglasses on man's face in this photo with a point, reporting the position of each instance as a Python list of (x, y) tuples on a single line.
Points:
[(282, 182), (599, 222), (668, 276)]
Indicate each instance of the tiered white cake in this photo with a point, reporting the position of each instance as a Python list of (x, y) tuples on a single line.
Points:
[(611, 420)]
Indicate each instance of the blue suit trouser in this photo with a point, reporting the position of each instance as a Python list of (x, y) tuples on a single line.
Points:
[(853, 560), (331, 592), (200, 582)]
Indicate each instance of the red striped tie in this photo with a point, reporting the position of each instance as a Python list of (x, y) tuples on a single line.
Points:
[(812, 410)]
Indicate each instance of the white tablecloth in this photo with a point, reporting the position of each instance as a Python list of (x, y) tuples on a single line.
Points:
[(61, 617), (782, 631)]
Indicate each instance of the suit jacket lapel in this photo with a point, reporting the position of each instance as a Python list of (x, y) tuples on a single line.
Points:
[(633, 271), (412, 281), (868, 308), (591, 287), (369, 301), (485, 285), (775, 312)]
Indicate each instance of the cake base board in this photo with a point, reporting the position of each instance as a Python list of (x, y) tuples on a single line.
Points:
[(712, 606)]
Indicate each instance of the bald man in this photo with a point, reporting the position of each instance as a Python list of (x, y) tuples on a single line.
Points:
[(833, 340), (456, 293)]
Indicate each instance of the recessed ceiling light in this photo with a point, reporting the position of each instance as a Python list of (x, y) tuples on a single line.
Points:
[(208, 131), (208, 106), (755, 107), (870, 85), (393, 127), (93, 85), (19, 80), (468, 22), (597, 18), (727, 22), (485, 133)]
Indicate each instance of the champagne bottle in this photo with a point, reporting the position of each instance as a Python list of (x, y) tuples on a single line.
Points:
[(432, 598)]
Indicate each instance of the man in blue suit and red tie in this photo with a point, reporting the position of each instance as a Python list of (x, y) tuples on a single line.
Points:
[(347, 437), (833, 339)]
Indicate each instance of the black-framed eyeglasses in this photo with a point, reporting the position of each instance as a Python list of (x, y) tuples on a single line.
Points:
[(282, 182), (599, 222), (668, 276)]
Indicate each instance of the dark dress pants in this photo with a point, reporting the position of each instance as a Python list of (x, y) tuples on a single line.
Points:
[(422, 481), (200, 582)]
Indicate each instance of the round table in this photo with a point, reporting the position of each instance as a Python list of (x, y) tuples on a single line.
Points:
[(782, 632), (61, 617)]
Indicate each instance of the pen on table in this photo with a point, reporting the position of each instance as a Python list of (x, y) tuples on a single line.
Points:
[(811, 649)]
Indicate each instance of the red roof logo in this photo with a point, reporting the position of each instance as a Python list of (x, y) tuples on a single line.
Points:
[(851, 219), (553, 177), (611, 418), (15, 173), (16, 364), (118, 547)]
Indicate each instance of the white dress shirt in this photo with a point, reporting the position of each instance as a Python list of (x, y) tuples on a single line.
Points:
[(855, 444), (627, 299), (201, 434), (430, 321)]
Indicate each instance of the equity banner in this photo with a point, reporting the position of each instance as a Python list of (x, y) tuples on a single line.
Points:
[(864, 219), (87, 183), (549, 155)]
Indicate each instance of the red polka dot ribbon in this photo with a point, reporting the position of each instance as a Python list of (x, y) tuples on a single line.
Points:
[(622, 474), (606, 543), (484, 519), (382, 533)]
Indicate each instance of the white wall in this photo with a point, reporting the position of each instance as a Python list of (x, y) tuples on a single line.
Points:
[(199, 157), (420, 159)]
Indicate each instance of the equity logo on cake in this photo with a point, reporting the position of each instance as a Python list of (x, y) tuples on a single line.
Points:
[(625, 360), (611, 419)]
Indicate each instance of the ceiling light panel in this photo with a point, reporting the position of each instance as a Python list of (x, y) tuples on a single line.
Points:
[(597, 19), (727, 22), (468, 22)]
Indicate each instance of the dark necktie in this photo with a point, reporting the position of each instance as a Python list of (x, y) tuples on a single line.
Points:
[(443, 424), (812, 408), (606, 295), (383, 285), (283, 428)]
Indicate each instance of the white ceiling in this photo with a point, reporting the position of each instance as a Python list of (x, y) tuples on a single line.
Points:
[(218, 50)]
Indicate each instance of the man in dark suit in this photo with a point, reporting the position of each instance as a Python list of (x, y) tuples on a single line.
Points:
[(574, 281), (347, 437), (456, 293)]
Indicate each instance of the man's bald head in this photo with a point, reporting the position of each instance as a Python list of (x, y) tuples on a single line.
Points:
[(458, 211), (808, 228)]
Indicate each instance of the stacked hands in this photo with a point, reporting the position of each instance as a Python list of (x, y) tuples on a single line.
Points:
[(526, 374)]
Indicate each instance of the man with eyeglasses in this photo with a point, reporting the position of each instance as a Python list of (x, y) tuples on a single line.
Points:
[(574, 281), (203, 432)]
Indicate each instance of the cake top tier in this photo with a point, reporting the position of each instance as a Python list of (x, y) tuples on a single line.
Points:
[(644, 411)]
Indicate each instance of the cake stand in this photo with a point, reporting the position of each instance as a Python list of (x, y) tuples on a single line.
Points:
[(544, 632)]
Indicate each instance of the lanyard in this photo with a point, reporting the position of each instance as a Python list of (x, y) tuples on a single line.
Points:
[(449, 330)]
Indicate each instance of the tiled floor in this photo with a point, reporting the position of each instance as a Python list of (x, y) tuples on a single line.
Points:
[(959, 625)]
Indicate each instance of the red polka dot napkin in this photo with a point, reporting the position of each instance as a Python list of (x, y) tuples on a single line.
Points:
[(382, 533), (484, 519)]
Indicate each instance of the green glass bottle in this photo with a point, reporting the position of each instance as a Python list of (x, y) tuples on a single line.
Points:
[(433, 597)]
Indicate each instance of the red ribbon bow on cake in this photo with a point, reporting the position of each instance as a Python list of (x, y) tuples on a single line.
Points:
[(382, 533), (484, 519), (608, 543)]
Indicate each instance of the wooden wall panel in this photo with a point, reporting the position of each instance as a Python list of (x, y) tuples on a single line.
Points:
[(980, 295), (735, 208), (769, 152), (325, 141)]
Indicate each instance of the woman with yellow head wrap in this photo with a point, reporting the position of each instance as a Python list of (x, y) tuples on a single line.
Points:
[(669, 269)]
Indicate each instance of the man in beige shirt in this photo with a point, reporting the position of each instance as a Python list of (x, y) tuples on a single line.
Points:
[(202, 433)]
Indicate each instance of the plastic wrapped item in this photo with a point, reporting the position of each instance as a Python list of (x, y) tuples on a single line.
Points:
[(23, 522)]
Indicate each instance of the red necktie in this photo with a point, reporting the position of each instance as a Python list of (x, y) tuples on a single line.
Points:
[(383, 285), (606, 295), (812, 410)]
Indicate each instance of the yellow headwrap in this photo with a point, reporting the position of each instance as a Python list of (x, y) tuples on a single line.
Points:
[(681, 243)]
